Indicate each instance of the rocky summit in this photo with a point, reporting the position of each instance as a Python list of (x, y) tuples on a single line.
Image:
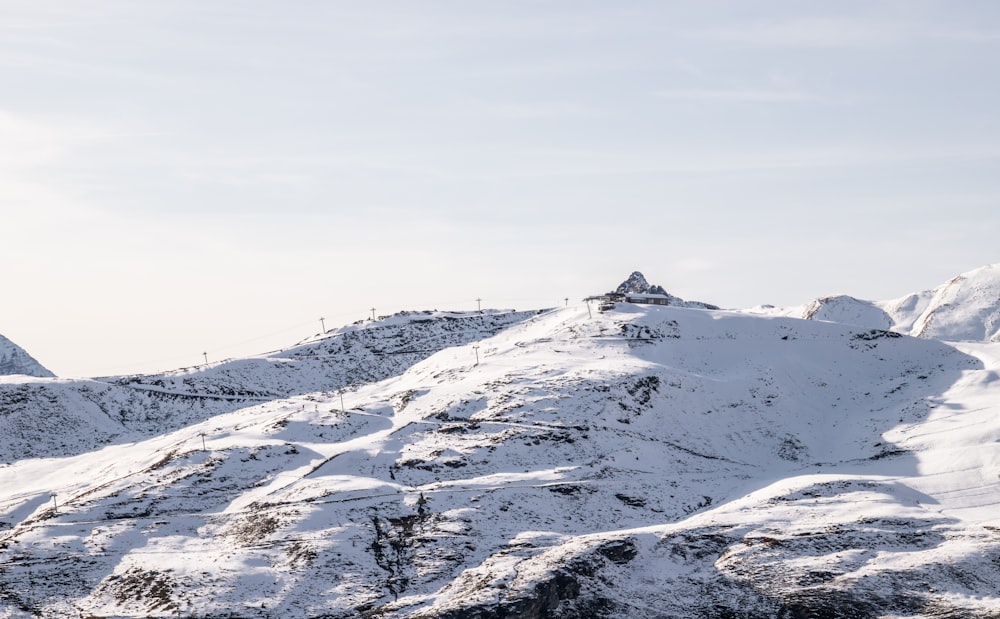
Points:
[(637, 284)]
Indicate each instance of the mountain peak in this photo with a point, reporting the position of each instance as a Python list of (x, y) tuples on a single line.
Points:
[(637, 284), (14, 360)]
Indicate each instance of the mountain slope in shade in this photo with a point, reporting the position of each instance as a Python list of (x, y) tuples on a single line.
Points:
[(14, 360), (645, 461)]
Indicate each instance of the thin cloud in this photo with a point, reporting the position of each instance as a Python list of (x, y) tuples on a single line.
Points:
[(971, 36), (810, 33), (837, 33), (26, 142), (535, 110), (746, 96), (542, 163)]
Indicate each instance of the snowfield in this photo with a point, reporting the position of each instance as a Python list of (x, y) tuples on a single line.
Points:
[(645, 461)]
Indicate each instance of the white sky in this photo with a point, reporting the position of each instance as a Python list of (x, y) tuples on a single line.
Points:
[(209, 175)]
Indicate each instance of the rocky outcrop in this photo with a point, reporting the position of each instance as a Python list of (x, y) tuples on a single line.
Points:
[(637, 284), (573, 589)]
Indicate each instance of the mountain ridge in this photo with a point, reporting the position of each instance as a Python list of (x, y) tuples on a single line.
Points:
[(965, 308), (62, 417)]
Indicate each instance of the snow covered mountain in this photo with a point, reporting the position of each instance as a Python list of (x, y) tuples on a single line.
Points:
[(966, 308), (15, 360), (647, 461)]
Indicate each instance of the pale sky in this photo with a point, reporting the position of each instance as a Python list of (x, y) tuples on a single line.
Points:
[(214, 175)]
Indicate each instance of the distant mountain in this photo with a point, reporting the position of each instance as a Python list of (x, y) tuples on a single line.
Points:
[(965, 308), (637, 284), (15, 360)]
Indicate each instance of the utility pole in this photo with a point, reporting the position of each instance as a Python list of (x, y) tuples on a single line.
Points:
[(373, 314), (203, 448), (567, 301), (589, 314), (479, 305), (322, 324), (476, 348), (55, 505), (205, 354), (342, 400)]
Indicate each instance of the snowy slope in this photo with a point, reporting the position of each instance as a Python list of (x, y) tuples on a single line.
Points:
[(15, 360), (65, 417), (646, 461)]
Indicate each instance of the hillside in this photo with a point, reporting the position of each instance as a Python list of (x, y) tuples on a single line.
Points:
[(51, 418), (645, 461)]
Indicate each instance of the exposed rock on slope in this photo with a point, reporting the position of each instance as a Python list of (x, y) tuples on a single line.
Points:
[(637, 284), (15, 360)]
